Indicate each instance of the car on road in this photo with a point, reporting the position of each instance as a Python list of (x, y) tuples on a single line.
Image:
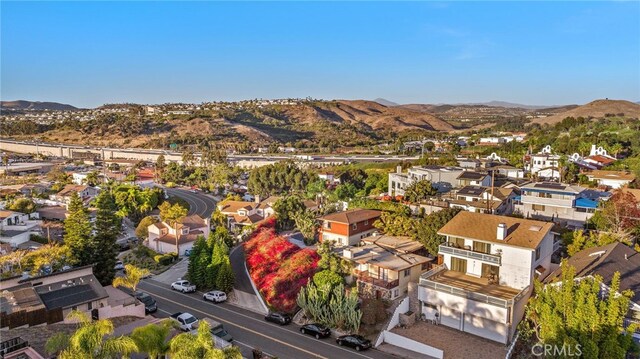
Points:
[(119, 266), (280, 318), (317, 330), (150, 305), (183, 286), (186, 321), (215, 296), (355, 341), (217, 329)]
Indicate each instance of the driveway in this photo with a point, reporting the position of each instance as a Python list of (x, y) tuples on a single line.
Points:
[(177, 271), (246, 296)]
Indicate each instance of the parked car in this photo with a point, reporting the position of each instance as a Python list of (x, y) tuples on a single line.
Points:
[(217, 329), (150, 305), (187, 252), (355, 341), (186, 321), (280, 318), (317, 330), (183, 286), (119, 266), (215, 296)]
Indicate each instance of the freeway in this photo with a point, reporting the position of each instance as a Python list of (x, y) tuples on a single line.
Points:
[(199, 203), (250, 330)]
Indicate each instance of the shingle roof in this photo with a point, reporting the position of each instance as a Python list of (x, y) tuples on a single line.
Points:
[(525, 233), (605, 261), (234, 206), (352, 216), (70, 188)]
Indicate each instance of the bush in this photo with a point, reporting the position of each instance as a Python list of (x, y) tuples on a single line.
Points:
[(39, 239)]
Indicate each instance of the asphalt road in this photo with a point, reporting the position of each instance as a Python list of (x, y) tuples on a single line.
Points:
[(250, 330), (199, 203)]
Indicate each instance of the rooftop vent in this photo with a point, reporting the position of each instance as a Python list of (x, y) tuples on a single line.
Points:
[(502, 231)]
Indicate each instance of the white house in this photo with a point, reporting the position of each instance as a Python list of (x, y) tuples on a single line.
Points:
[(544, 164), (162, 236), (441, 178), (567, 204), (16, 228), (611, 179), (86, 193), (488, 266)]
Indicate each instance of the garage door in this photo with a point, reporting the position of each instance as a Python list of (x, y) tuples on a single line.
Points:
[(485, 328), (450, 318)]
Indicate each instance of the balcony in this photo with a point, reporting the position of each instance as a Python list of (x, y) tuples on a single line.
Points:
[(367, 277), (448, 248), (477, 289)]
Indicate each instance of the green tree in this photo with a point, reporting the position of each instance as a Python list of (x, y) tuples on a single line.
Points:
[(419, 191), (286, 209), (218, 219), (159, 168), (198, 248), (151, 339), (78, 231), (92, 178), (23, 205), (327, 277), (173, 214), (107, 228), (305, 221), (142, 230), (90, 340), (573, 312), (345, 191), (133, 276), (226, 277), (332, 261), (188, 346)]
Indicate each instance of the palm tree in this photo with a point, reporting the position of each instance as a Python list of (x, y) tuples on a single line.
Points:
[(132, 277), (152, 338), (88, 341), (187, 346)]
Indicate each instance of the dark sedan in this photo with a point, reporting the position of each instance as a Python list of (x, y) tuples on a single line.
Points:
[(355, 341), (280, 318), (150, 305), (317, 330)]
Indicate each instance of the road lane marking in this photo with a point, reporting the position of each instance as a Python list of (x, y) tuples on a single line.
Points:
[(260, 321), (241, 326)]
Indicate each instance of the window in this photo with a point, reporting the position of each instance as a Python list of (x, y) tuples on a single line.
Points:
[(395, 292), (90, 305), (459, 265), (481, 247), (366, 223), (327, 224), (354, 226), (407, 272), (538, 207), (537, 253), (457, 242)]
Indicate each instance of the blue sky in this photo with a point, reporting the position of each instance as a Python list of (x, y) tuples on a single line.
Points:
[(540, 53)]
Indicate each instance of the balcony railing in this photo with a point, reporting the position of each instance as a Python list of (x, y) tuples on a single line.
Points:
[(447, 248), (478, 297), (366, 277)]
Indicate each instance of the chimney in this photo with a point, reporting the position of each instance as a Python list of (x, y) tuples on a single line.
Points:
[(502, 231), (398, 169), (626, 258), (257, 198)]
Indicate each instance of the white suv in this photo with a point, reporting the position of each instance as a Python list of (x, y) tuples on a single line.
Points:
[(215, 296)]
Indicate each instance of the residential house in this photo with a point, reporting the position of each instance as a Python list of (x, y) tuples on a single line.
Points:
[(16, 228), (496, 200), (50, 298), (384, 266), (469, 178), (17, 348), (349, 227), (611, 179), (486, 272), (468, 163), (543, 165), (509, 171), (442, 178), (569, 205), (162, 236), (245, 213), (86, 193), (605, 261)]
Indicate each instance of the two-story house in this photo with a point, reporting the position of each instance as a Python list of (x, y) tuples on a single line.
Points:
[(162, 236), (496, 200), (86, 193), (16, 227), (245, 213), (471, 178), (568, 205), (487, 267), (384, 266), (442, 178), (544, 165), (347, 228)]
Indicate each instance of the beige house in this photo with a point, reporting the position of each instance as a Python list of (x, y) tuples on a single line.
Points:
[(162, 236), (86, 193), (384, 265)]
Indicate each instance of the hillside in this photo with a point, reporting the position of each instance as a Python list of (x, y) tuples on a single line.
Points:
[(35, 106), (595, 109), (318, 123)]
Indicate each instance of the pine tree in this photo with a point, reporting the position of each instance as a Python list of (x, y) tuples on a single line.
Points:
[(107, 228), (198, 247), (78, 232), (226, 278)]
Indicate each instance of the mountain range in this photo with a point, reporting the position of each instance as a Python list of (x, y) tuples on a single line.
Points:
[(35, 105)]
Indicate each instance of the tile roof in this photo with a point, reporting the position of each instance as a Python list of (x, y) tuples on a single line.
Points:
[(605, 261), (524, 233), (70, 188), (229, 206), (352, 216)]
